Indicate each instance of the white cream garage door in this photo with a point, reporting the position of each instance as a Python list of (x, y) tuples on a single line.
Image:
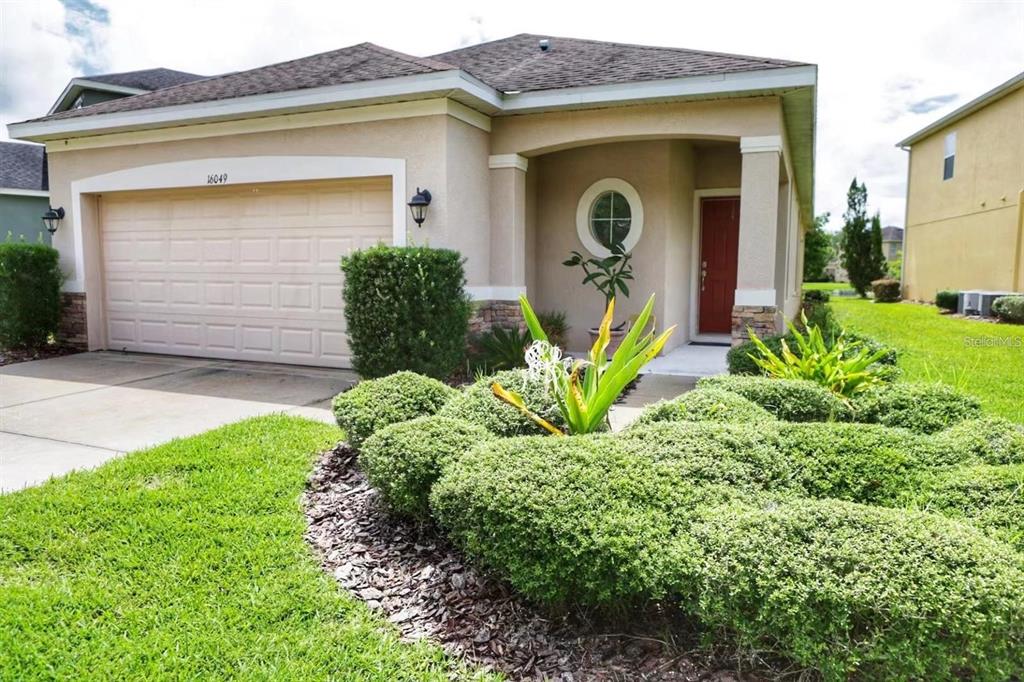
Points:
[(248, 272)]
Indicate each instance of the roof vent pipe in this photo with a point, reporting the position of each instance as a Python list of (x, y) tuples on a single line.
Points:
[(545, 44)]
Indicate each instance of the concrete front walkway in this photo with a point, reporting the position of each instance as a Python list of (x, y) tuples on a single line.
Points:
[(78, 411)]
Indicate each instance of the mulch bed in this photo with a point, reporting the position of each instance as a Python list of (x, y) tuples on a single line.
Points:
[(428, 590), (14, 356)]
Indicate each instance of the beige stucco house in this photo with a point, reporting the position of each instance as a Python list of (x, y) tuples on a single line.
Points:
[(208, 218), (965, 198)]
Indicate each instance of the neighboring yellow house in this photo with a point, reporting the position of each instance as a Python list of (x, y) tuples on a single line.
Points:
[(965, 198)]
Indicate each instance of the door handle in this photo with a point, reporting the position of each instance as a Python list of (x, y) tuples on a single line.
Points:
[(703, 273)]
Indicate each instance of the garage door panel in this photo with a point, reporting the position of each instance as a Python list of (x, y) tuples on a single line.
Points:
[(242, 273), (252, 338)]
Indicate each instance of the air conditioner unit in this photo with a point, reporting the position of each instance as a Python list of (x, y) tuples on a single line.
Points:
[(978, 302)]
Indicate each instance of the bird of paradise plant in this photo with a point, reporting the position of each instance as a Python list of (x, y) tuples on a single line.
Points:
[(586, 389)]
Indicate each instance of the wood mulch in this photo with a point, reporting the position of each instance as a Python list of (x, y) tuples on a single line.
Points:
[(10, 356), (413, 577)]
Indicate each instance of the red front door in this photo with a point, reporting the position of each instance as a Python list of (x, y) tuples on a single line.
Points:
[(719, 246)]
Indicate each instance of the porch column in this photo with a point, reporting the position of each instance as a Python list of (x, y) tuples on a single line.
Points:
[(756, 301), (498, 303)]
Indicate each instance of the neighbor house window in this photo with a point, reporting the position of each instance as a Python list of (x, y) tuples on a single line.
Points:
[(609, 212), (949, 156)]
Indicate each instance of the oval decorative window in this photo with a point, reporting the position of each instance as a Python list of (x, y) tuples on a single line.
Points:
[(608, 212)]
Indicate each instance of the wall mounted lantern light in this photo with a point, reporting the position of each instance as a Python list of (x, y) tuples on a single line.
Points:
[(418, 206), (52, 218)]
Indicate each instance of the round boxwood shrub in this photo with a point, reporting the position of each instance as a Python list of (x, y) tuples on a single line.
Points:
[(738, 358), (990, 497), (704, 404), (478, 405), (924, 408), (791, 400), (30, 281), (990, 440), (861, 592), (743, 455), (375, 403), (1009, 309), (857, 462), (569, 520), (404, 460), (947, 300), (406, 309), (886, 290)]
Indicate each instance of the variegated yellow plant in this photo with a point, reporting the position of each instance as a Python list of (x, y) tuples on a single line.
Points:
[(586, 389)]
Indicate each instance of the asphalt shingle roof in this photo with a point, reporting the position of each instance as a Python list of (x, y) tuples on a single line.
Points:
[(146, 79), (509, 64), (891, 233), (23, 166), (362, 62), (518, 63)]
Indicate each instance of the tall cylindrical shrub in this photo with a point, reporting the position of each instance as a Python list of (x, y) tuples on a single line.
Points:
[(30, 280), (406, 309)]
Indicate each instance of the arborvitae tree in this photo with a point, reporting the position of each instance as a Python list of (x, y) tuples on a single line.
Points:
[(877, 254), (859, 256), (817, 250)]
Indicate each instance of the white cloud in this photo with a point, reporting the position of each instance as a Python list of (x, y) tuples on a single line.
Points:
[(878, 61)]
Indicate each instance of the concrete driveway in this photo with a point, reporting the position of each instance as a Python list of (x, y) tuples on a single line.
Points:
[(79, 411)]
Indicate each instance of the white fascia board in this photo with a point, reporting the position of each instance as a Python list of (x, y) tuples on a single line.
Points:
[(410, 87), (14, 191), (765, 79), (76, 85)]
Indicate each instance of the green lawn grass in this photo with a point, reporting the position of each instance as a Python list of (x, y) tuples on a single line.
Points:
[(827, 286), (187, 561), (956, 351)]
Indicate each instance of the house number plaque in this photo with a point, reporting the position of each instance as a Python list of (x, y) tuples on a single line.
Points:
[(216, 178)]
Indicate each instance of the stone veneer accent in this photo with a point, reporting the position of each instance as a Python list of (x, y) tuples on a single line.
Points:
[(489, 314), (763, 319), (72, 332)]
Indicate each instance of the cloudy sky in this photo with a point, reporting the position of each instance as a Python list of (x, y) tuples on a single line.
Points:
[(885, 68)]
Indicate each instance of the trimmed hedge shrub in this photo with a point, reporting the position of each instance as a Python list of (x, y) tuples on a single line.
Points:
[(990, 440), (739, 361), (375, 403), (574, 520), (30, 281), (1009, 309), (477, 405), (857, 462), (404, 460), (947, 300), (989, 497), (743, 455), (816, 296), (862, 592), (923, 408), (886, 290), (704, 404), (790, 400), (406, 309)]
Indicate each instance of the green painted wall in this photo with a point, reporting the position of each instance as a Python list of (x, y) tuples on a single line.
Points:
[(22, 216)]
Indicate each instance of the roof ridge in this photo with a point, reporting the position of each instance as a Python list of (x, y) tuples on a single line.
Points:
[(653, 48), (412, 59), (134, 71)]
